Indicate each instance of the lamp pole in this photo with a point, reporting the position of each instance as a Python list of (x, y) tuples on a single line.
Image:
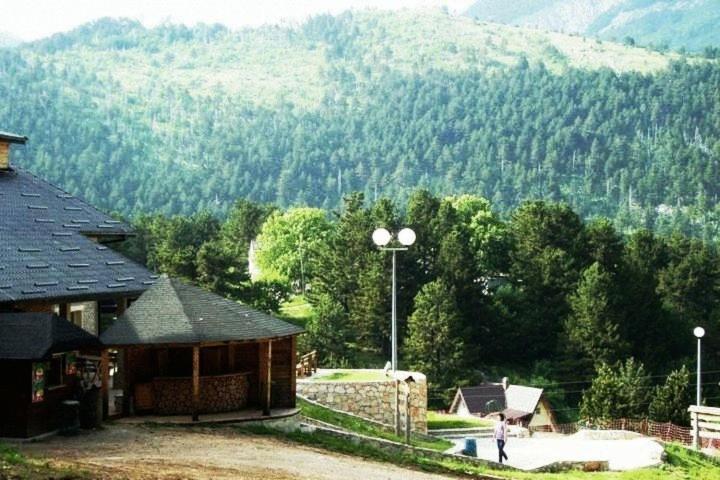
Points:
[(406, 237), (699, 332), (381, 237)]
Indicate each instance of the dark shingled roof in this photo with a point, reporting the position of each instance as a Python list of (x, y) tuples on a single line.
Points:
[(485, 398), (172, 311), (34, 336), (8, 137), (45, 252)]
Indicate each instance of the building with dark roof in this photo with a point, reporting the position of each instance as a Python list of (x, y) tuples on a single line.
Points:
[(54, 260), (189, 351), (37, 370), (521, 405)]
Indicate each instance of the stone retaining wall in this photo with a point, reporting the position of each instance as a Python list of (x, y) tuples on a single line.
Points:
[(374, 400)]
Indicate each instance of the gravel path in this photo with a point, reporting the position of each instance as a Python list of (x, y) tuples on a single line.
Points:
[(138, 452)]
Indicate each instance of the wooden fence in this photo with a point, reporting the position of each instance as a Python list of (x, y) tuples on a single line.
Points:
[(705, 425), (307, 364), (667, 432)]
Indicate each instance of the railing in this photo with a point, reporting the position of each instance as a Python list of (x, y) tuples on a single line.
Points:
[(307, 364), (705, 425)]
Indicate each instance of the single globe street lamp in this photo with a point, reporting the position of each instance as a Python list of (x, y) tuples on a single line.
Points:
[(381, 237), (699, 332)]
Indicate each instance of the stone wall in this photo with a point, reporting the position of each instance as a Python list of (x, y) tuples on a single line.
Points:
[(221, 393), (374, 400)]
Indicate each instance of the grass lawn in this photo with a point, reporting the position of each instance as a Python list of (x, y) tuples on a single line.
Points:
[(351, 375), (14, 465), (683, 464), (439, 421), (358, 425), (297, 310)]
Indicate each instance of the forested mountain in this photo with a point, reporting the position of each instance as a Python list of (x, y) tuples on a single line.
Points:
[(689, 24), (178, 119)]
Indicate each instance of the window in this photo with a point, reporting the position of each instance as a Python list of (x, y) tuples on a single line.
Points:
[(55, 375), (76, 317)]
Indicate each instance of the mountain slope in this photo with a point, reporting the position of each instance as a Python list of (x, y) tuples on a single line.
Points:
[(690, 24), (273, 64), (176, 120)]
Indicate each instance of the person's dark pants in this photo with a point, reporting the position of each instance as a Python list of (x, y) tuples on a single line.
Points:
[(501, 450)]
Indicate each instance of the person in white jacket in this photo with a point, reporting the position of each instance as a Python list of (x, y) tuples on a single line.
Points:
[(500, 435)]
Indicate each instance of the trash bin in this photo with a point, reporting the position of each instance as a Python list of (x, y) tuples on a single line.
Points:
[(69, 417), (470, 447), (90, 409)]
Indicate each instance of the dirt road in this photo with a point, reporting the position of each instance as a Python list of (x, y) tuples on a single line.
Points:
[(138, 452)]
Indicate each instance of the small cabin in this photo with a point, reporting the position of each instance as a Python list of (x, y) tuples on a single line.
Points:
[(187, 351), (521, 405), (39, 355)]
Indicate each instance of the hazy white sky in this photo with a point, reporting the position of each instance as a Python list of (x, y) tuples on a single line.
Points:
[(32, 19)]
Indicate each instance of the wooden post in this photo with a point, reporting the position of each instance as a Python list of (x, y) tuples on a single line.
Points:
[(121, 306), (231, 358), (293, 372), (104, 385), (408, 418), (63, 311), (196, 383), (265, 376), (397, 406)]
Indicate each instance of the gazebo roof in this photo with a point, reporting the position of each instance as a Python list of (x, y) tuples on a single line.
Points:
[(174, 312)]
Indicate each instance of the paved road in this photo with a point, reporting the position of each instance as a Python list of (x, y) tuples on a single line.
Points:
[(622, 453), (138, 452)]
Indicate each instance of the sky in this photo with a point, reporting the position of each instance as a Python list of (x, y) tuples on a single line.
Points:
[(33, 19)]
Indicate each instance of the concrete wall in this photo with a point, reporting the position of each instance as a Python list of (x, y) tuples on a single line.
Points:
[(373, 399)]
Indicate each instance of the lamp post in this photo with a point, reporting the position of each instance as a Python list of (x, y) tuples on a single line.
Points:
[(699, 332), (381, 237)]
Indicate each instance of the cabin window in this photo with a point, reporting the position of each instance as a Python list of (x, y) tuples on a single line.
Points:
[(55, 375), (76, 317)]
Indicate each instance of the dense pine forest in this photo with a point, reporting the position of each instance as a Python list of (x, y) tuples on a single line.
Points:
[(543, 297), (364, 102)]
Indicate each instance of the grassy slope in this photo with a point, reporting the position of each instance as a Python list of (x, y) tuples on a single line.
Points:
[(438, 421), (358, 425), (270, 65), (297, 310)]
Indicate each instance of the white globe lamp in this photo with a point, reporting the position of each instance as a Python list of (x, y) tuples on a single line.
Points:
[(381, 237), (406, 237)]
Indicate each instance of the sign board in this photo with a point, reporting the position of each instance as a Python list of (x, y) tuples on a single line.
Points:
[(38, 381)]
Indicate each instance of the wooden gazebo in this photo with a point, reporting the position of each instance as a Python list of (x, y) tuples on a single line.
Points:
[(184, 350)]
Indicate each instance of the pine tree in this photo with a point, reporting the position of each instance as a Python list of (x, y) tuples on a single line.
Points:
[(620, 390), (327, 331), (433, 345), (671, 400), (592, 326)]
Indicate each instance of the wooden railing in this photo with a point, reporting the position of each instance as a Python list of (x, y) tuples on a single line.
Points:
[(705, 424), (307, 364)]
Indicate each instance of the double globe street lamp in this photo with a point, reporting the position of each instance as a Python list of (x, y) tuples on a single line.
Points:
[(381, 237), (699, 332)]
